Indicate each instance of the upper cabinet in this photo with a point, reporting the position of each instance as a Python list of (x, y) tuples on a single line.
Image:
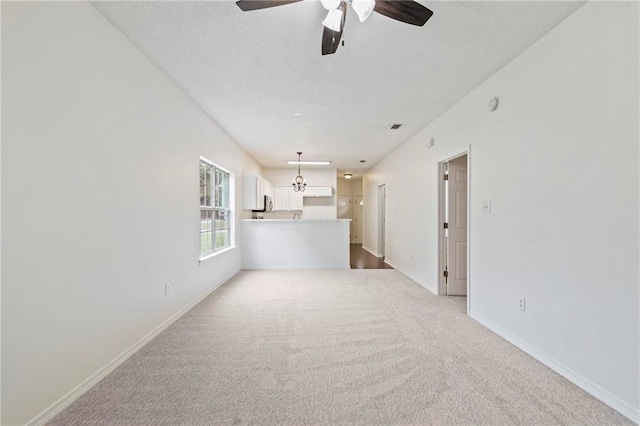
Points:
[(286, 199), (318, 191), (295, 200), (254, 189)]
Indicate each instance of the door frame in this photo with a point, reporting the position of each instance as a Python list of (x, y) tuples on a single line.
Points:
[(442, 286), (358, 213), (382, 219)]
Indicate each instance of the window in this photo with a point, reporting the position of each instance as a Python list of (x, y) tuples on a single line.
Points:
[(215, 211)]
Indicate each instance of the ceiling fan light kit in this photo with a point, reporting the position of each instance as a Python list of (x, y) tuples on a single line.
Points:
[(333, 20), (363, 8), (330, 4), (407, 11)]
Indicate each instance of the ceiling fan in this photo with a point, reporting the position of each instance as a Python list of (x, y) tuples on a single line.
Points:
[(407, 11)]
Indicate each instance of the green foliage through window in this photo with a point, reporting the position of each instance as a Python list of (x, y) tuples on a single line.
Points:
[(215, 209)]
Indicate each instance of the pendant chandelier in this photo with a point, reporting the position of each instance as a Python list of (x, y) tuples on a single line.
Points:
[(299, 184)]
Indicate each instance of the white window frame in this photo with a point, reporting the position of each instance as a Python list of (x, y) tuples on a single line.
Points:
[(230, 210)]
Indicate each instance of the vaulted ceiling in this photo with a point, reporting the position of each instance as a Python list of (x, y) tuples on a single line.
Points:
[(251, 71)]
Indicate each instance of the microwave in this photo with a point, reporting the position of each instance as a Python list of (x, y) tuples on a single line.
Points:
[(268, 205)]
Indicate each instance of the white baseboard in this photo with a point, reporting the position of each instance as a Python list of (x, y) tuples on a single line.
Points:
[(585, 384), (83, 387), (388, 262), (371, 251)]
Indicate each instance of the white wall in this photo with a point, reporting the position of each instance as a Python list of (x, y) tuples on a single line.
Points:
[(559, 162), (344, 186), (356, 188), (100, 199), (314, 208)]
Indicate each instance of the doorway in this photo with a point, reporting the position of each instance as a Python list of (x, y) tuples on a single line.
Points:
[(382, 195), (358, 214), (453, 178), (363, 259)]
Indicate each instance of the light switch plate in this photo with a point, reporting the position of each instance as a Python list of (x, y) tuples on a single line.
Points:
[(521, 304), (486, 206)]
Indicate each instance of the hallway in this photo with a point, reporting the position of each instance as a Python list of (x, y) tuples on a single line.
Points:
[(362, 259)]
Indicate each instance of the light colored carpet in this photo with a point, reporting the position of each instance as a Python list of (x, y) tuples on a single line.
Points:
[(332, 347)]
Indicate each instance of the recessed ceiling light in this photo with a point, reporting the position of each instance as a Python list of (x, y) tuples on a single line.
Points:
[(395, 126), (348, 175), (363, 161), (297, 114), (317, 163)]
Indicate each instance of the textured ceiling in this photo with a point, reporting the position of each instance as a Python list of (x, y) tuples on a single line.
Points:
[(250, 71)]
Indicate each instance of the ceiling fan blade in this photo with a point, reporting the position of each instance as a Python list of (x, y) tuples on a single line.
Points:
[(407, 11), (330, 41), (330, 38), (247, 5)]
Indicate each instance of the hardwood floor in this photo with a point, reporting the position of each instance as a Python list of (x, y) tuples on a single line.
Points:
[(362, 259)]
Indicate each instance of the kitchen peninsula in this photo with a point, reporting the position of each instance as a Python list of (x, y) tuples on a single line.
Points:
[(295, 243)]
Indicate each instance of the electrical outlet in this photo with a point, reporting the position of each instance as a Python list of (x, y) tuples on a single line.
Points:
[(486, 206), (167, 289), (521, 304)]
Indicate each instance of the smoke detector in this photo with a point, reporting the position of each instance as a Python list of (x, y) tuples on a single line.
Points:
[(493, 104)]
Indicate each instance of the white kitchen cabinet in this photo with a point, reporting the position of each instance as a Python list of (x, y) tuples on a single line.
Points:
[(325, 191), (267, 189), (280, 198), (286, 199), (318, 191), (254, 189), (295, 200)]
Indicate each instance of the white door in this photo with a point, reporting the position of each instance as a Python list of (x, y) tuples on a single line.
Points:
[(344, 211), (382, 195), (344, 207), (356, 223), (457, 227)]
